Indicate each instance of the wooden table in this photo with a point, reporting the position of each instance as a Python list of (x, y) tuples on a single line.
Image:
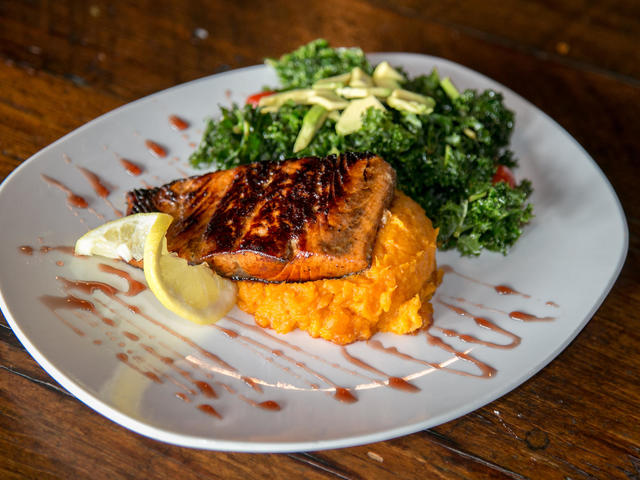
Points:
[(64, 63)]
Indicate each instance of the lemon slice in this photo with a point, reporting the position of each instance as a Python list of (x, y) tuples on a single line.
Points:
[(122, 238), (194, 292)]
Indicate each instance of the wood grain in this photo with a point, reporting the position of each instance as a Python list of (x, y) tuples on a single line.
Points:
[(64, 63)]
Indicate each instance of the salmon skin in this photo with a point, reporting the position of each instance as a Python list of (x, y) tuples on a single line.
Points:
[(291, 221)]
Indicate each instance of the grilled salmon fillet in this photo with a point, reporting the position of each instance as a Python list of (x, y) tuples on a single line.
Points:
[(290, 221)]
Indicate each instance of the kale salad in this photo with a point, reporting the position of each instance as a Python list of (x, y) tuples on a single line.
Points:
[(450, 149)]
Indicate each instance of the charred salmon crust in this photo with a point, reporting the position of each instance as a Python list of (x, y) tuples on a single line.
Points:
[(290, 221)]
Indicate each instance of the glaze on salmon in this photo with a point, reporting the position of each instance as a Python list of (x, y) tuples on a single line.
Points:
[(296, 220)]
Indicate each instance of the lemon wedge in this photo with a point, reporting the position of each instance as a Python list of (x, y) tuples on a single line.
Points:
[(194, 292), (122, 238)]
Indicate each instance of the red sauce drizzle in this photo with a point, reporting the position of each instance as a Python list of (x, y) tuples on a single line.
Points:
[(26, 249), (401, 384), (269, 405), (178, 123), (124, 358), (68, 303), (135, 287), (393, 382), (487, 370), (229, 333), (527, 317), (209, 355), (344, 395), (183, 397), (501, 289), (277, 353), (111, 291), (131, 336), (280, 353), (250, 382), (209, 410), (96, 183), (481, 322), (377, 345), (89, 286), (72, 199), (130, 167), (64, 249), (155, 149), (206, 389), (505, 290), (152, 376)]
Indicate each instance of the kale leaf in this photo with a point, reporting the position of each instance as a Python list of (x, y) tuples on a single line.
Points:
[(315, 60)]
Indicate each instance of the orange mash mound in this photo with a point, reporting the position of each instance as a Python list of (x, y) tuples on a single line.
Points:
[(391, 296)]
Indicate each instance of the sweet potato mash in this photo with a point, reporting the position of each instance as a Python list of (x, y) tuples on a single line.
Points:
[(391, 296)]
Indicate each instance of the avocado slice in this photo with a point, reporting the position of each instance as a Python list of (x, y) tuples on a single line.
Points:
[(351, 119), (333, 82), (449, 88), (361, 92), (300, 95), (360, 78), (311, 123), (409, 106), (412, 97), (334, 115), (408, 101), (304, 96), (327, 99), (386, 76)]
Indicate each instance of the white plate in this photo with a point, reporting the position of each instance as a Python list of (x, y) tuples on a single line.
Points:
[(570, 254)]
